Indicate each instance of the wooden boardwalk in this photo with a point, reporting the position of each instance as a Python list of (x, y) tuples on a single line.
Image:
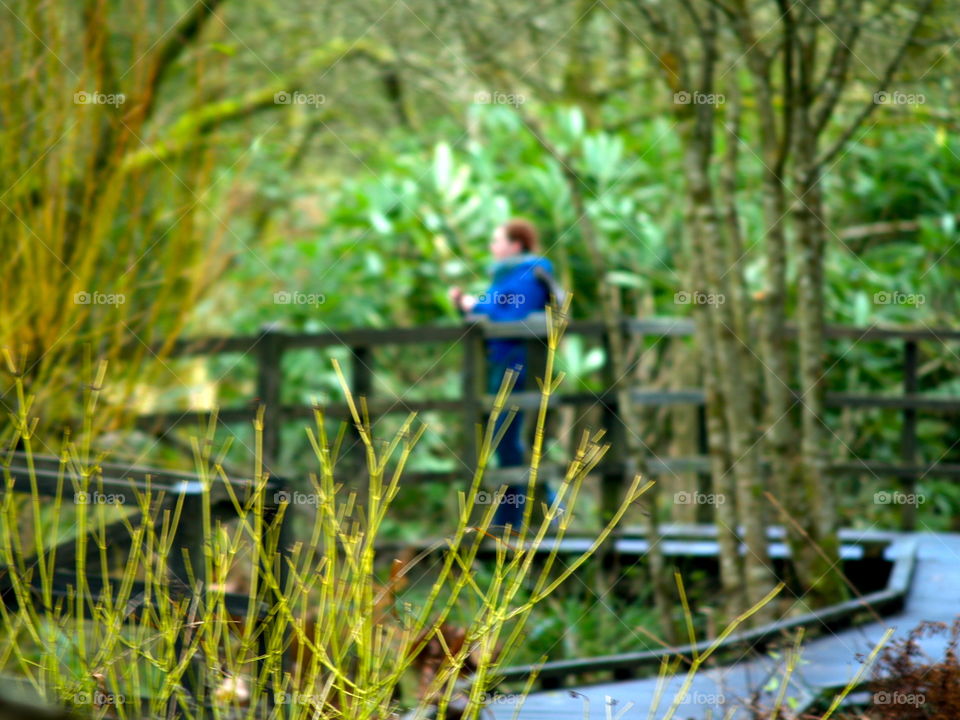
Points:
[(722, 692)]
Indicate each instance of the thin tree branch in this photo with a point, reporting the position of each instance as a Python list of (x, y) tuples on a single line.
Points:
[(677, 66), (889, 227), (835, 76), (724, 8), (166, 54), (887, 77), (697, 23), (786, 119)]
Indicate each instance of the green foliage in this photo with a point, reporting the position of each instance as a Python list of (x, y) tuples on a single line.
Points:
[(392, 241), (386, 242), (351, 647)]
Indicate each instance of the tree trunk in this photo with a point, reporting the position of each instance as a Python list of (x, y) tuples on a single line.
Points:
[(821, 580), (781, 427), (816, 563), (734, 375), (718, 441)]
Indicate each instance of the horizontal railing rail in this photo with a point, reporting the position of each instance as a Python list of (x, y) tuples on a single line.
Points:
[(268, 347)]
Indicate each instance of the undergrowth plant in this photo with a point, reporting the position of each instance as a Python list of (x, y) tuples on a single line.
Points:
[(319, 634), (318, 630)]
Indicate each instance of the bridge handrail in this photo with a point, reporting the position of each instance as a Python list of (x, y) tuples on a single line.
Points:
[(473, 402), (524, 329)]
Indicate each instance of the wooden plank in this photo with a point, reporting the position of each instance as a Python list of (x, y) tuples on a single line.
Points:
[(884, 602), (669, 466), (870, 540), (48, 481), (909, 400), (415, 477), (113, 470), (130, 481), (163, 422), (887, 333), (657, 397), (374, 337), (377, 407), (114, 535), (64, 581), (536, 327), (908, 432), (944, 470), (661, 466), (906, 401), (531, 400), (888, 600), (191, 347), (660, 327)]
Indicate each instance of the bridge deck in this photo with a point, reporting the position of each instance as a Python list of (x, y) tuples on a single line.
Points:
[(829, 660)]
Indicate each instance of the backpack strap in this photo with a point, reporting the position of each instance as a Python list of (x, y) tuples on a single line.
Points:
[(550, 282)]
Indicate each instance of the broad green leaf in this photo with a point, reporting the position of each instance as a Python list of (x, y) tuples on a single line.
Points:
[(380, 222), (442, 166)]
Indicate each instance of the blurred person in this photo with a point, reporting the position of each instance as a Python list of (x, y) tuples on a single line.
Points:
[(522, 283)]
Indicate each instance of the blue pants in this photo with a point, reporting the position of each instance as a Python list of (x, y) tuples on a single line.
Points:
[(510, 451)]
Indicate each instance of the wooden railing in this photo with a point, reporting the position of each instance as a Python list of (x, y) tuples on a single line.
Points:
[(269, 346)]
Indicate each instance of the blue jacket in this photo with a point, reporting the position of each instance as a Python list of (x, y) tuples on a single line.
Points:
[(515, 293)]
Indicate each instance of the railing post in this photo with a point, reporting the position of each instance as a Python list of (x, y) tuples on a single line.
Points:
[(361, 386), (704, 481), (269, 381), (362, 366), (473, 388), (612, 469), (535, 351), (908, 438)]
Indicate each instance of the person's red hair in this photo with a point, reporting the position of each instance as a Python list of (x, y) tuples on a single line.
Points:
[(523, 232)]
